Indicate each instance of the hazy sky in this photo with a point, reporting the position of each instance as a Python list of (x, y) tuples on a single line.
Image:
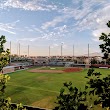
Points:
[(44, 23)]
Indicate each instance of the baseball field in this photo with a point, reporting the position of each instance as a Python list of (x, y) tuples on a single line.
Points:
[(40, 86)]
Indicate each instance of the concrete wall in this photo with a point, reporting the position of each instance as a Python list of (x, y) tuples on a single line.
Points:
[(8, 70)]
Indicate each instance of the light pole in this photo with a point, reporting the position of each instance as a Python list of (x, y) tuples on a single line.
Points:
[(49, 51), (10, 53), (19, 49), (61, 48), (88, 53), (73, 52), (28, 50)]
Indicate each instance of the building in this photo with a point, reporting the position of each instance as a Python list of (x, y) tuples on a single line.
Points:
[(41, 60)]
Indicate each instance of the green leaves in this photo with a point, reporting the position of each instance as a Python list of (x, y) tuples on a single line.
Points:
[(4, 57), (2, 41), (97, 91), (3, 80), (4, 54), (99, 87), (108, 24), (5, 103), (71, 98), (105, 46)]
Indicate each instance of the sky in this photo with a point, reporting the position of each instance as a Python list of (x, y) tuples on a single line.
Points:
[(44, 23)]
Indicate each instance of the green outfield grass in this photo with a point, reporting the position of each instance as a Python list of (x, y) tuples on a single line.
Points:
[(41, 89)]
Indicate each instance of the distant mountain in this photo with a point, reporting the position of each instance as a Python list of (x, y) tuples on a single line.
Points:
[(94, 54)]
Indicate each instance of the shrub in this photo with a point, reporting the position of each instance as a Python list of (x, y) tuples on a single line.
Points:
[(72, 98)]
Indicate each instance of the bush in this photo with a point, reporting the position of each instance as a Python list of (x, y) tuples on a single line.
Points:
[(71, 100), (75, 99)]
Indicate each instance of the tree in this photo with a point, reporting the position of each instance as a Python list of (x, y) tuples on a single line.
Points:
[(105, 46), (72, 100), (95, 86), (96, 91), (4, 54), (5, 103), (4, 58), (94, 61), (99, 87)]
